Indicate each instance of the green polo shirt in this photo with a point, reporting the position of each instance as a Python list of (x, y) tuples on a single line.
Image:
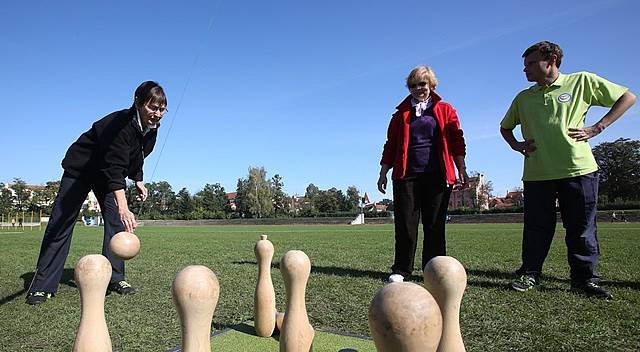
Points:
[(546, 113)]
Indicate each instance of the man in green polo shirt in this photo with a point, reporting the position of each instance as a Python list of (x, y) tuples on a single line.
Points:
[(558, 163)]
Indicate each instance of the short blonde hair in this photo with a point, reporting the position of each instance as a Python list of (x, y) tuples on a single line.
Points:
[(420, 74)]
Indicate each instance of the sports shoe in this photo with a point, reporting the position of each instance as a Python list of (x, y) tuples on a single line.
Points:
[(591, 289), (396, 278), (121, 288), (38, 297), (525, 283)]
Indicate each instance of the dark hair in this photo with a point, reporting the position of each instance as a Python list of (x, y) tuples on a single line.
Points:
[(546, 49), (149, 91)]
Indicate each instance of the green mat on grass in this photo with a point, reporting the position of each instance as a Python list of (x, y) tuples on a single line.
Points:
[(242, 337)]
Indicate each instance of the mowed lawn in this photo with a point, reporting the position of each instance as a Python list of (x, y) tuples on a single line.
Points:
[(349, 263)]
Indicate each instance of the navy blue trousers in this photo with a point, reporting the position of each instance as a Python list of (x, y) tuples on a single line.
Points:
[(577, 198), (423, 196), (57, 236)]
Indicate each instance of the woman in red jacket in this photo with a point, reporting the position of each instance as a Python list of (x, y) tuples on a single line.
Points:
[(424, 141)]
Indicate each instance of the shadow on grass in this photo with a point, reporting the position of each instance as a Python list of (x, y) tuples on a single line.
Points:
[(330, 270), (479, 278), (476, 277), (67, 279)]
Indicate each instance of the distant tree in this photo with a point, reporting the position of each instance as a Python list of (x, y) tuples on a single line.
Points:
[(259, 193), (213, 200), (619, 163), (21, 195), (184, 205), (484, 191), (388, 203), (255, 194), (312, 193), (6, 202), (159, 203), (353, 198), (241, 196), (280, 198), (330, 201), (48, 196)]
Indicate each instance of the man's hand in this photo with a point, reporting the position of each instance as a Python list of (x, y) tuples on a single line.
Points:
[(525, 147), (142, 191), (382, 183), (583, 134), (127, 218)]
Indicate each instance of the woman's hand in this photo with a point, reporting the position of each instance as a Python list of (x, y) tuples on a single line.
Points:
[(463, 177), (126, 216), (382, 183)]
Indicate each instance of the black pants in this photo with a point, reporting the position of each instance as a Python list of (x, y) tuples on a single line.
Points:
[(57, 237), (425, 195), (577, 197)]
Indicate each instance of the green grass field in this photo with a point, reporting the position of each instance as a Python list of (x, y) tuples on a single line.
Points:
[(349, 263)]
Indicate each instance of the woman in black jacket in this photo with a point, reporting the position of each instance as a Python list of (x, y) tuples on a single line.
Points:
[(100, 160)]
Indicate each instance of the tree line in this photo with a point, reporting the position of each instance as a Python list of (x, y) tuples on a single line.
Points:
[(258, 196)]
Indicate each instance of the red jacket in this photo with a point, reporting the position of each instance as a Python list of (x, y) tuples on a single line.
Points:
[(451, 138)]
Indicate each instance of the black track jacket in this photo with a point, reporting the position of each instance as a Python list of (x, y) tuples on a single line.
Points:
[(112, 150)]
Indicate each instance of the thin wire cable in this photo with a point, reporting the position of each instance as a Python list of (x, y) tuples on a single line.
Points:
[(184, 90)]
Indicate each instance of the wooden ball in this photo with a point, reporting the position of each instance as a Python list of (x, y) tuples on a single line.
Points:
[(124, 245)]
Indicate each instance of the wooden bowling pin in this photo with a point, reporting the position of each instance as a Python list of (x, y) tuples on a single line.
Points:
[(404, 317), (264, 299), (296, 334), (92, 274), (195, 293), (124, 245), (446, 279)]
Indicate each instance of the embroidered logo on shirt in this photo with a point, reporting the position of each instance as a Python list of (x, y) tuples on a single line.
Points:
[(564, 97)]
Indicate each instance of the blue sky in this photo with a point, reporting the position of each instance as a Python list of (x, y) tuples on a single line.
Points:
[(305, 89)]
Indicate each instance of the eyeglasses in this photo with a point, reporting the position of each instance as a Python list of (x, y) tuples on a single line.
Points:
[(156, 108), (415, 85)]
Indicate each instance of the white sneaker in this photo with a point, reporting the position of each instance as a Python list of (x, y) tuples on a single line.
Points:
[(396, 278)]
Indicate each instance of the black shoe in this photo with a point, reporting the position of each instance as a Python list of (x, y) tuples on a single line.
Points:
[(38, 297), (591, 289), (525, 283), (121, 288)]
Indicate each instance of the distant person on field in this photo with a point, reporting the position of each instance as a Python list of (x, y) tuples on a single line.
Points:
[(614, 217), (558, 163), (424, 142), (622, 216), (13, 222), (100, 160)]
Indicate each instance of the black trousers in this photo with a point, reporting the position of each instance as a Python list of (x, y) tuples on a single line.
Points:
[(425, 196), (57, 236), (577, 197)]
